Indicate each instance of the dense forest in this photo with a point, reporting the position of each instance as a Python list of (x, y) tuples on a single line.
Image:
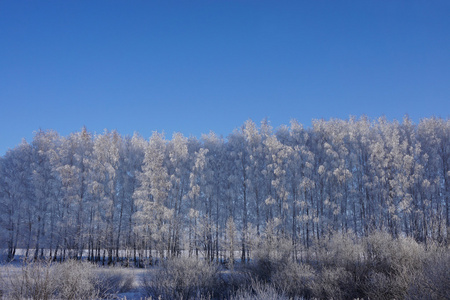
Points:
[(110, 198)]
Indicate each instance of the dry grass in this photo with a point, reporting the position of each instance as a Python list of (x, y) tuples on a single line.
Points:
[(70, 280)]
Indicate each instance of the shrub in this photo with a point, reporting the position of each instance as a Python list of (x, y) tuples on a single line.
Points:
[(339, 250), (274, 266), (434, 280), (391, 265), (182, 278), (333, 283), (232, 281), (69, 280), (338, 260), (76, 280), (258, 291), (34, 280), (294, 279), (270, 256), (83, 280)]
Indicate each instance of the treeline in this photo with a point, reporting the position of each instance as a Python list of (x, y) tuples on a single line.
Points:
[(124, 197)]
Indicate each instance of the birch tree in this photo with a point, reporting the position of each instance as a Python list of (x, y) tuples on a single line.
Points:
[(15, 196)]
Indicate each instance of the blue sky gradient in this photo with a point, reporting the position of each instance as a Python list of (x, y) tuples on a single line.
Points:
[(200, 66)]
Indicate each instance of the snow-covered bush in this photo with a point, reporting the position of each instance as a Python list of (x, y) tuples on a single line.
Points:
[(273, 264), (33, 280), (338, 263), (258, 290), (391, 265), (294, 279), (376, 266), (333, 283), (271, 255), (76, 280), (83, 280), (182, 278), (339, 250), (434, 280), (69, 280)]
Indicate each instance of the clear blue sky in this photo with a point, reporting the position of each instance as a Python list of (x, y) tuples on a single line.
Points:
[(195, 66)]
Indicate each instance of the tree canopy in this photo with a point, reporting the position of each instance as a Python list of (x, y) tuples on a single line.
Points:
[(108, 196)]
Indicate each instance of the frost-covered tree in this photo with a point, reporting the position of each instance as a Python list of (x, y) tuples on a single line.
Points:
[(46, 190), (15, 196), (215, 187), (131, 160), (179, 168), (104, 187), (72, 165), (153, 216), (107, 193), (240, 159)]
